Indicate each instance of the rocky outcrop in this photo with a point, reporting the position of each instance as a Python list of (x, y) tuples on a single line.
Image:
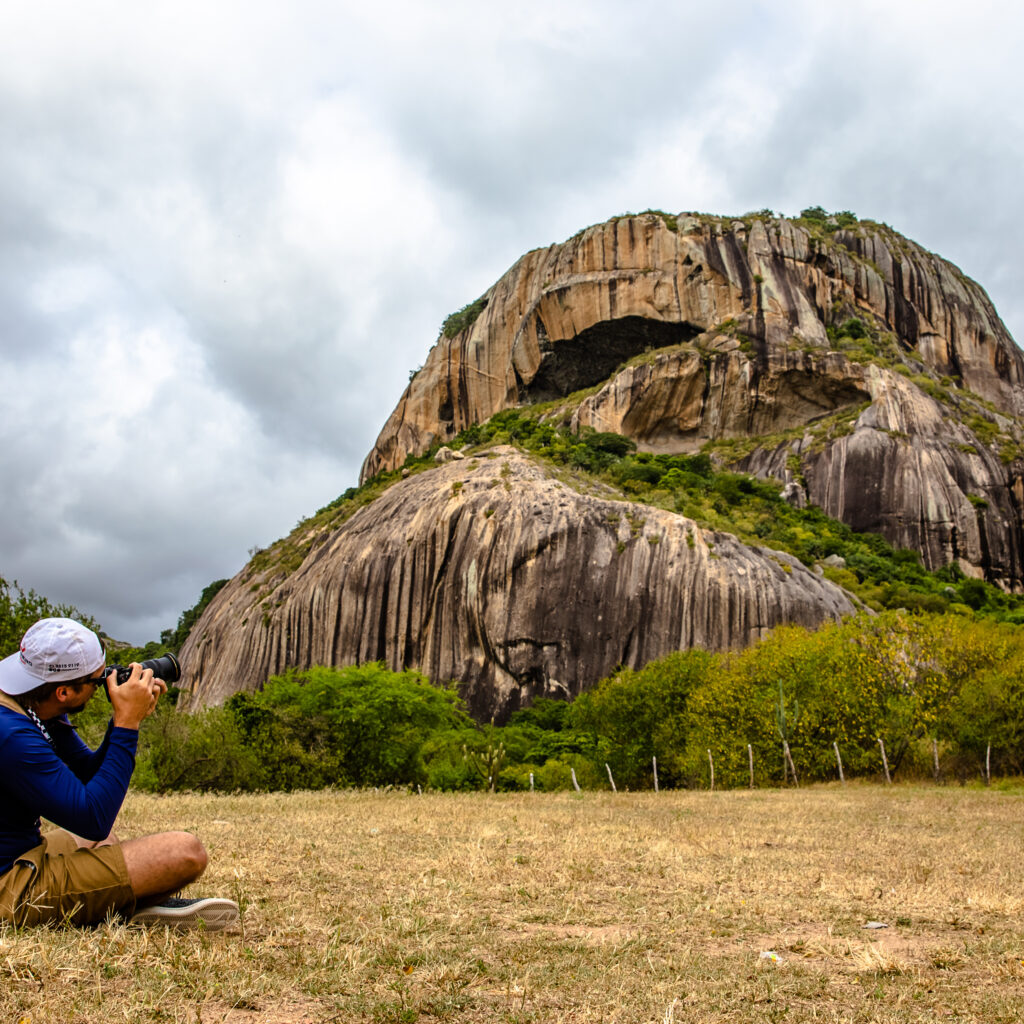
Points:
[(734, 329), (491, 572), (899, 464), (679, 400), (916, 475), (869, 376)]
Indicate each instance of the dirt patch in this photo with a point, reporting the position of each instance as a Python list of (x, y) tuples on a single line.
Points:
[(591, 936), (265, 1012)]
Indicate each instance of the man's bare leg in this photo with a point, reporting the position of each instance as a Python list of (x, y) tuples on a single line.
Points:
[(161, 864), (158, 865)]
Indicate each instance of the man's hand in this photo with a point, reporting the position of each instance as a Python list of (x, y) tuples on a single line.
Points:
[(135, 699)]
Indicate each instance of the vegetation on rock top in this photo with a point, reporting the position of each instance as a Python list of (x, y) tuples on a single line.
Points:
[(464, 318)]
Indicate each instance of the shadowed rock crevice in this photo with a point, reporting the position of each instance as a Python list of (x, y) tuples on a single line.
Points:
[(592, 356), (803, 397)]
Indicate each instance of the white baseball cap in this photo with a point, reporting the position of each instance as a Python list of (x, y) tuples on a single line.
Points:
[(52, 651)]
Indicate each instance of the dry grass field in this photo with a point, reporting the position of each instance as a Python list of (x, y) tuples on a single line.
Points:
[(394, 907)]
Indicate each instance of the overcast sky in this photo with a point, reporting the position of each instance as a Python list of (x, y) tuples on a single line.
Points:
[(228, 231)]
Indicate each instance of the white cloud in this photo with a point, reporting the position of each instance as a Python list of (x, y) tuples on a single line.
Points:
[(228, 231)]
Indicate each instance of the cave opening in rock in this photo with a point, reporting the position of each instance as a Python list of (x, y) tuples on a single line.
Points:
[(571, 364)]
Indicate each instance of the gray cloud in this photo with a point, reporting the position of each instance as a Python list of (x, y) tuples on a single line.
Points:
[(227, 232)]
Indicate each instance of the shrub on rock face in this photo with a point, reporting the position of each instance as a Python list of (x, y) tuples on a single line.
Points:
[(463, 318), (614, 444), (973, 593)]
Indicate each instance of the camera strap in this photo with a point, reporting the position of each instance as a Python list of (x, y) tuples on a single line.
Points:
[(39, 725)]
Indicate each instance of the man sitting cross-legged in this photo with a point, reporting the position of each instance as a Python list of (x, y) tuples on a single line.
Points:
[(81, 873)]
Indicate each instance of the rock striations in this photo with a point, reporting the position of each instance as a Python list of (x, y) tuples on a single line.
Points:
[(869, 376), (770, 330), (491, 572)]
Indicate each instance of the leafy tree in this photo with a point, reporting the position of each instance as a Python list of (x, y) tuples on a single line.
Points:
[(984, 662), (174, 639), (19, 609), (634, 716), (362, 725)]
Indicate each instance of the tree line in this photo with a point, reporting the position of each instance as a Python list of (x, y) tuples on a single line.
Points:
[(928, 686)]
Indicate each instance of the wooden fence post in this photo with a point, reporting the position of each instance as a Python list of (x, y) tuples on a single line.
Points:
[(789, 761), (839, 761), (885, 761), (750, 761), (935, 758), (575, 784), (988, 765), (610, 779), (531, 782), (712, 765), (654, 763)]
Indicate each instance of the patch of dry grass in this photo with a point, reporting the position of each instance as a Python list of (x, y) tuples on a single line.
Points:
[(596, 907)]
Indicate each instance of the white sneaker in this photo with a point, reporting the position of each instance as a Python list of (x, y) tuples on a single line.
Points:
[(210, 913)]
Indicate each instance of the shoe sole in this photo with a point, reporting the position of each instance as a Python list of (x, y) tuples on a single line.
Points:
[(213, 915)]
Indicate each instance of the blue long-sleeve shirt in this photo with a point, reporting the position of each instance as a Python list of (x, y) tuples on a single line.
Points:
[(76, 788)]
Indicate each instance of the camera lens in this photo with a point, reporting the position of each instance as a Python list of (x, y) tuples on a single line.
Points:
[(165, 668)]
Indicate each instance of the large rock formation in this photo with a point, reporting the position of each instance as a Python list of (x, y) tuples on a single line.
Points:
[(491, 572), (870, 376), (765, 329)]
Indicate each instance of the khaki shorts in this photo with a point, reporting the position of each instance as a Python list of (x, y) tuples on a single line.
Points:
[(59, 882)]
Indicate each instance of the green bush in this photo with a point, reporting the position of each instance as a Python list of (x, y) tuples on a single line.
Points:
[(556, 774), (201, 751), (464, 318), (447, 767), (614, 444), (634, 716), (817, 214), (990, 713), (362, 726), (820, 217)]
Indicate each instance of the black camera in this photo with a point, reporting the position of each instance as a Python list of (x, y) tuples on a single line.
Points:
[(165, 667)]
